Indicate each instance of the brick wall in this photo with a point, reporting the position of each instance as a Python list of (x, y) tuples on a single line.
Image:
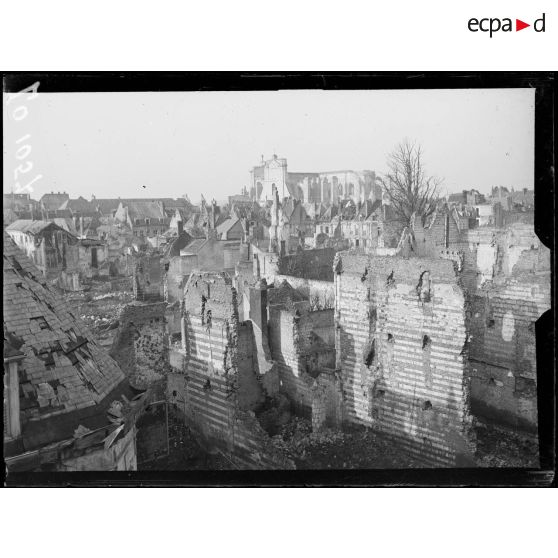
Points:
[(218, 386), (302, 347), (400, 341), (507, 276)]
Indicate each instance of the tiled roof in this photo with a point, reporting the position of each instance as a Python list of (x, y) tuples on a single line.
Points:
[(67, 224), (227, 225), (30, 226), (64, 368), (196, 245), (283, 293), (54, 201), (142, 210), (106, 206)]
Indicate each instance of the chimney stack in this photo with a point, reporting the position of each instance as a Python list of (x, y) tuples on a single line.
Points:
[(180, 226)]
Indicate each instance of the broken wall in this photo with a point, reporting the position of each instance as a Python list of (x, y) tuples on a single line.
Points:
[(141, 346), (148, 278), (219, 386), (508, 277), (302, 345), (401, 348)]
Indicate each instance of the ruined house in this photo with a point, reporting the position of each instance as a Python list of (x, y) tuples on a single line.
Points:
[(51, 248), (144, 218), (67, 404)]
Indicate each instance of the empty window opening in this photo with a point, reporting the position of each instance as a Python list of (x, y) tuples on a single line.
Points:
[(426, 406), (423, 287), (174, 394), (490, 323), (207, 385), (369, 354), (380, 394), (390, 338), (426, 342)]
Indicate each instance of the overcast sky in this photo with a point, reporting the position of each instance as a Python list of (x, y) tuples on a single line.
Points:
[(113, 144)]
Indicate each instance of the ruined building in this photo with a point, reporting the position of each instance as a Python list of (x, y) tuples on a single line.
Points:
[(507, 276), (67, 405), (217, 380), (53, 250), (313, 187)]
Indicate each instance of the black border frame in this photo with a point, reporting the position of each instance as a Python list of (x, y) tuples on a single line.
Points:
[(545, 206)]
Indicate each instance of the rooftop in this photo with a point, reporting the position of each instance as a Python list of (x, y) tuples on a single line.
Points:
[(64, 369)]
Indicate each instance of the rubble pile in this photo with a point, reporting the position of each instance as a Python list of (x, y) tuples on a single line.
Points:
[(100, 311), (501, 447), (355, 447)]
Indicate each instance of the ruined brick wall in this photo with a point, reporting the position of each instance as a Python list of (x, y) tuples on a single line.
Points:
[(302, 346), (507, 273), (148, 278), (218, 386), (141, 345), (401, 340), (285, 351), (310, 264), (178, 271), (327, 401)]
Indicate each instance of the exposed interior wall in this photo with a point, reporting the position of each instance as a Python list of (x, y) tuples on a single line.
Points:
[(141, 346), (148, 278), (302, 346)]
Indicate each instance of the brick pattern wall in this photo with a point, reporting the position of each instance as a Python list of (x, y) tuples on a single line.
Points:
[(402, 359), (505, 303), (217, 387)]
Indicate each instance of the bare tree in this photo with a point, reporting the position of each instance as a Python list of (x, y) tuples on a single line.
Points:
[(406, 185)]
